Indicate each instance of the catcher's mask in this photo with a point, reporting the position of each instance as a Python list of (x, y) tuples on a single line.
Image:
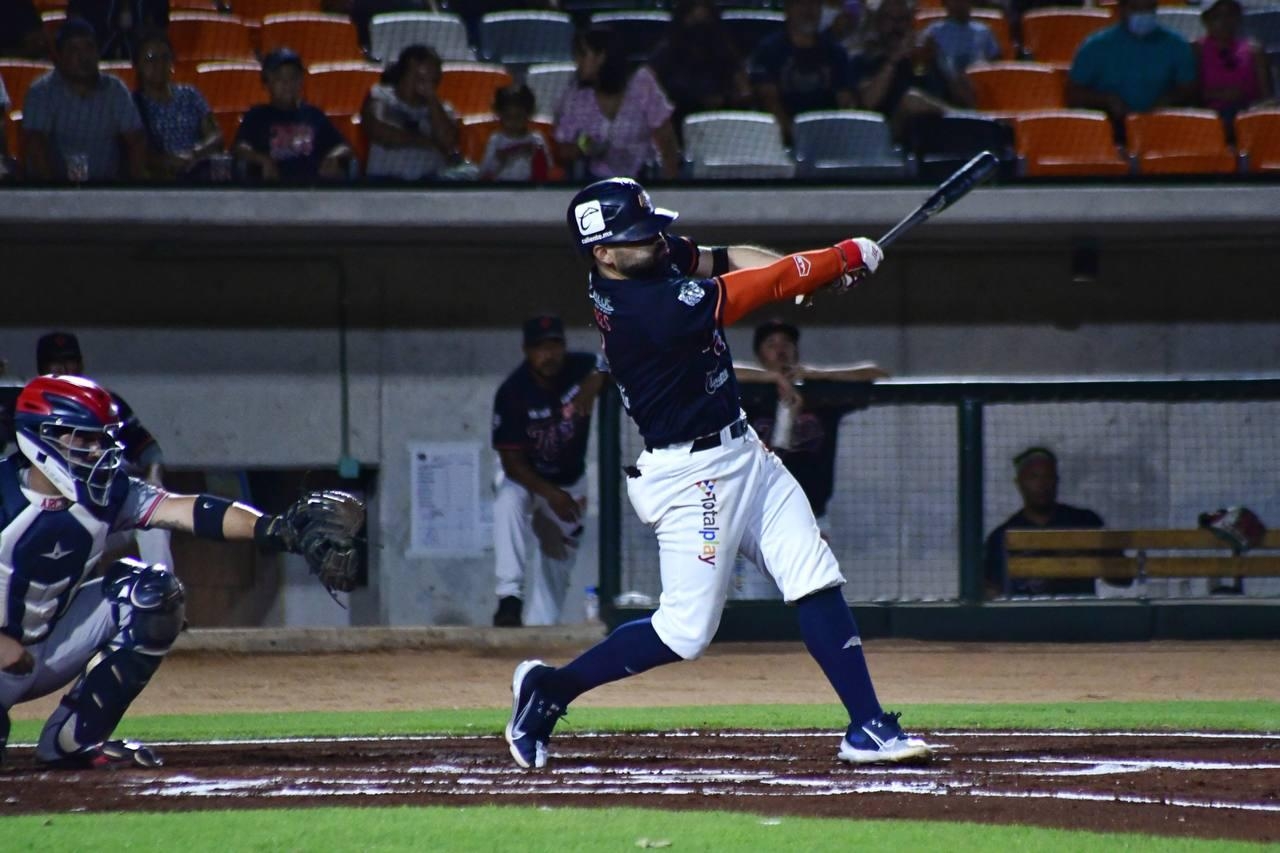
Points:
[(616, 210), (69, 428)]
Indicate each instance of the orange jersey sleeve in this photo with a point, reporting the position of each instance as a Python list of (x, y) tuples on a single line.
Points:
[(801, 273)]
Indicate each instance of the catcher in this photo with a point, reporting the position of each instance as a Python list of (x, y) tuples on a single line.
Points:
[(61, 495)]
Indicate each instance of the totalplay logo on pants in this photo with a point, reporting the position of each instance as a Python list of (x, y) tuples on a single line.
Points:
[(710, 532)]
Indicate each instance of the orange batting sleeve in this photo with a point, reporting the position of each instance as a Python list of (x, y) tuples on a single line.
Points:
[(801, 273)]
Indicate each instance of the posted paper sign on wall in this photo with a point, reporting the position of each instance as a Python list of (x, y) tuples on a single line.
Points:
[(444, 489)]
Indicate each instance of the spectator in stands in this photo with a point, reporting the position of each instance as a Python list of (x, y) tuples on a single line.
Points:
[(286, 139), (616, 122), (697, 63), (959, 41), (76, 121), (412, 132), (1233, 70), (1135, 65), (800, 69), (1037, 480), (515, 151), (118, 23), (801, 431), (898, 75), (181, 131), (21, 32)]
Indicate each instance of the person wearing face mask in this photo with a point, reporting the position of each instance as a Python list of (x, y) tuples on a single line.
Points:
[(1133, 66)]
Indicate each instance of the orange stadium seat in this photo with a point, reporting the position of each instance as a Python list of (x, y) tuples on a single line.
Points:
[(256, 10), (231, 86), (1067, 142), (1054, 34), (185, 71), (19, 74), (202, 36), (316, 37), (475, 130), (339, 88), (993, 18), (469, 86), (1258, 137), (1186, 142), (50, 5), (52, 22), (1015, 86)]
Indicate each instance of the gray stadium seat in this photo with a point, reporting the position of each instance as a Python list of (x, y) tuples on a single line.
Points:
[(1184, 22), (548, 82), (522, 38), (1263, 26), (735, 144), (446, 34), (640, 31), (748, 26), (847, 144)]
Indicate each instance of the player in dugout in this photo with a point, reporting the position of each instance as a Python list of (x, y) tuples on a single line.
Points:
[(705, 482)]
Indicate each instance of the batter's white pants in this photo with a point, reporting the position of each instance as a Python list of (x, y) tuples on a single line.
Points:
[(534, 551), (707, 506)]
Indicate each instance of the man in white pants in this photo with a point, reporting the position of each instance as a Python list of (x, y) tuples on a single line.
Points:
[(541, 424), (705, 483)]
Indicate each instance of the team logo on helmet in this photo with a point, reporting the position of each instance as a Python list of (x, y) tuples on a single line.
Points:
[(590, 218)]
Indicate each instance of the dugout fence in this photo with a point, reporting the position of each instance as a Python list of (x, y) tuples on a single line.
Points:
[(924, 471)]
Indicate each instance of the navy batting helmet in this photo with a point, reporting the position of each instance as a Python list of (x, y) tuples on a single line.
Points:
[(616, 210)]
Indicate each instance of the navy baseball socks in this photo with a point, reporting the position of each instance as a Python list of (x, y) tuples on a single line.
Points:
[(832, 638), (541, 694)]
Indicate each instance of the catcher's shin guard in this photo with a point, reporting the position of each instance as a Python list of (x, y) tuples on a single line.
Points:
[(150, 604)]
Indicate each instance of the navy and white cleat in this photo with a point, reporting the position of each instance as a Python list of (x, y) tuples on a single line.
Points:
[(882, 741), (533, 715), (108, 755)]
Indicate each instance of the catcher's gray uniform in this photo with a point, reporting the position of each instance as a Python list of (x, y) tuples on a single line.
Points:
[(111, 630)]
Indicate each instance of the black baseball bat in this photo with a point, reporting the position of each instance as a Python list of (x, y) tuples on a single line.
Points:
[(952, 190), (948, 193)]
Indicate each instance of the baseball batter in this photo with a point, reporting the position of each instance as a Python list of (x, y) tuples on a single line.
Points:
[(61, 495), (704, 482)]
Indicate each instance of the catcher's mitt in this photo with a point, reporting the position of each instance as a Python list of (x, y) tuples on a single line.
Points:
[(322, 526)]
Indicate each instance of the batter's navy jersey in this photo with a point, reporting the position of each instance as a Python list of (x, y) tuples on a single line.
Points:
[(544, 422), (666, 349), (49, 545)]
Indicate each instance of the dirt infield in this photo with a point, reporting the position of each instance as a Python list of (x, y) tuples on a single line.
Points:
[(1223, 786)]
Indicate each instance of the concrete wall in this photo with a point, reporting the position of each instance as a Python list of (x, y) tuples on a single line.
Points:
[(231, 355)]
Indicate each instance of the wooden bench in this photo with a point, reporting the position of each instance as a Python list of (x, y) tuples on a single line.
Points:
[(1129, 554)]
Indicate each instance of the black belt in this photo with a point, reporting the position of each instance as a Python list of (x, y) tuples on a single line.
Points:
[(737, 429)]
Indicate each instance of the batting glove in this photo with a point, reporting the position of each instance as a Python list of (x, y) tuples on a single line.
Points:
[(860, 252)]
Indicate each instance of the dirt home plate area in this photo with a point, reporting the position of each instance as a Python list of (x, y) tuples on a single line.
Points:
[(1192, 783)]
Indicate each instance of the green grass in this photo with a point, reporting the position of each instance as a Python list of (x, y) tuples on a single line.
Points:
[(491, 828), (1255, 715)]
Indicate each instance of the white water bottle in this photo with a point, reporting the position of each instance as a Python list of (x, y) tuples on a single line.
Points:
[(591, 604), (783, 420)]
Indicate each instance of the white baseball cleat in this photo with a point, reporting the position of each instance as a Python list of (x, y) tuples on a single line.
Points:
[(882, 741)]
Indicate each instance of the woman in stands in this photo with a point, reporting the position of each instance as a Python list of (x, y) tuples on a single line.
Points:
[(1233, 70), (412, 133), (181, 131), (617, 122)]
